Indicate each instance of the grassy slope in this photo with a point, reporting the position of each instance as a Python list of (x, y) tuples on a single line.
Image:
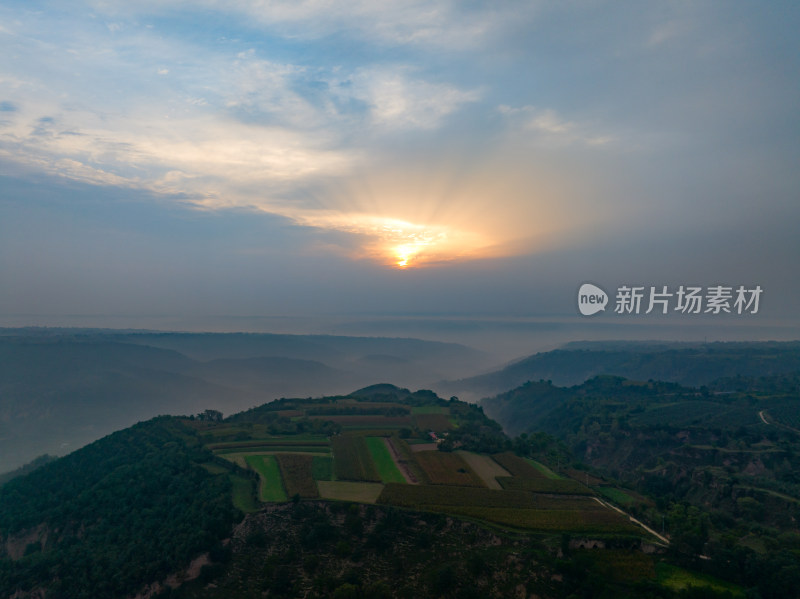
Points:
[(387, 469), (271, 489)]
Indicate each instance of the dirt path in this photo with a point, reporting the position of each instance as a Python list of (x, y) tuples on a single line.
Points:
[(778, 424), (632, 519), (401, 464)]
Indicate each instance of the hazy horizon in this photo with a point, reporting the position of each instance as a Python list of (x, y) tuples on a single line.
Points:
[(502, 340), (435, 170)]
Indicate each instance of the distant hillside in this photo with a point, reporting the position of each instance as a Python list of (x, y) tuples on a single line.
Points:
[(337, 351), (686, 364), (60, 389), (722, 465)]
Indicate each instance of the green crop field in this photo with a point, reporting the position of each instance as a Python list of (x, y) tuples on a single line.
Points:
[(617, 495), (271, 489), (352, 459), (678, 579), (447, 469), (387, 469), (322, 468), (546, 472), (243, 497)]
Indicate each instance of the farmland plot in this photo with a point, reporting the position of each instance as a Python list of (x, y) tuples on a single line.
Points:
[(352, 459), (387, 469), (447, 469), (485, 467), (349, 491), (551, 520), (564, 486), (518, 466), (433, 422), (271, 488), (296, 470)]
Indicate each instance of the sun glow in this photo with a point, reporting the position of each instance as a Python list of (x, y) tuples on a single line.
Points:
[(406, 253), (433, 216)]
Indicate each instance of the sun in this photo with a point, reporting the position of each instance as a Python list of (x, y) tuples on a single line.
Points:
[(404, 254)]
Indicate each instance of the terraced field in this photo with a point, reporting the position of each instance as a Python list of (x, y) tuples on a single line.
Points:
[(352, 459), (297, 473), (383, 461), (358, 462), (271, 489), (485, 467), (447, 469)]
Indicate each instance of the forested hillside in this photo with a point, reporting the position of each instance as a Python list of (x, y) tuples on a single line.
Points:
[(691, 364), (722, 467), (120, 513)]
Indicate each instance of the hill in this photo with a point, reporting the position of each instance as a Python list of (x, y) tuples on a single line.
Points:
[(132, 507), (721, 464), (384, 492), (684, 363)]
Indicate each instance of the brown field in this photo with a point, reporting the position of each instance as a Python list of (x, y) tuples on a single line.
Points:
[(266, 443), (447, 469), (352, 459), (376, 420), (290, 413), (433, 422), (423, 447), (485, 467), (584, 477), (548, 520), (348, 491), (565, 486), (517, 466), (297, 474), (423, 496), (369, 406)]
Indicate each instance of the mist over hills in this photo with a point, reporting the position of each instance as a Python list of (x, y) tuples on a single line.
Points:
[(61, 389), (692, 364)]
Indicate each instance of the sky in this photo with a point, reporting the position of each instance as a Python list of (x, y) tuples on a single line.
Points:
[(325, 166)]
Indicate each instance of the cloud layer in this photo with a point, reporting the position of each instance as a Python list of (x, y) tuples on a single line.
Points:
[(405, 134)]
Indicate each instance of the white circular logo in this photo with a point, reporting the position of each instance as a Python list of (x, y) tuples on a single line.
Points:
[(591, 299)]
